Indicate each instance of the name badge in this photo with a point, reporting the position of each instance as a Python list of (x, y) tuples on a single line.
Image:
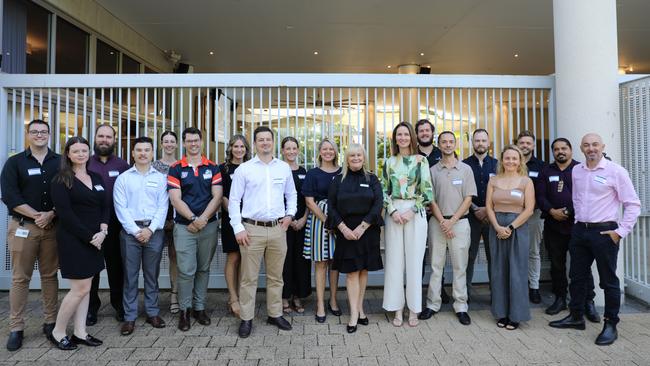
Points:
[(301, 176), (600, 179), (99, 188), (363, 185), (516, 193), (554, 178), (34, 171), (207, 174), (278, 180), (533, 174), (183, 175), (113, 173), (22, 233), (152, 184), (457, 182), (492, 175)]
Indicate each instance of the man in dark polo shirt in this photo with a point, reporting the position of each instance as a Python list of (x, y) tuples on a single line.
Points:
[(526, 143), (553, 195), (109, 166), (31, 234), (194, 185), (483, 166), (424, 131)]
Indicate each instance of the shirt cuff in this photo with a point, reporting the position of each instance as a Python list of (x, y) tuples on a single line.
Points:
[(621, 232), (238, 228)]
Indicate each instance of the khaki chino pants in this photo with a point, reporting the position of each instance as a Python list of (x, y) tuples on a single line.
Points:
[(270, 243)]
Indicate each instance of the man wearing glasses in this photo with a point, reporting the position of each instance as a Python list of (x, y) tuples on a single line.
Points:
[(31, 234)]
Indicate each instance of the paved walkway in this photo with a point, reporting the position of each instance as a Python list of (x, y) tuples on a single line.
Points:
[(438, 341)]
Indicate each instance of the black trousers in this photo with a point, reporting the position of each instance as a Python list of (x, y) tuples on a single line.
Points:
[(297, 269), (478, 229), (586, 246), (557, 245), (114, 269)]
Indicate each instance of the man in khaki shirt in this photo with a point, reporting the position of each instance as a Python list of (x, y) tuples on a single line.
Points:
[(454, 187)]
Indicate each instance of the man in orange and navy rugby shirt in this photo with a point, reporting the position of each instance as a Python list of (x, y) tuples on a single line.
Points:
[(194, 185)]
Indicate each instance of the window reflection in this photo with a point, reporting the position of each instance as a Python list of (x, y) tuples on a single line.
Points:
[(71, 48), (37, 39), (107, 59)]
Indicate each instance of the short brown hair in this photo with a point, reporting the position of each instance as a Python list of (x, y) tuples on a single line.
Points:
[(525, 133), (414, 146)]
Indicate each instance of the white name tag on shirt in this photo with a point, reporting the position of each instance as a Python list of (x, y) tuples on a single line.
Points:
[(554, 178), (363, 185), (207, 174), (22, 233), (34, 171), (533, 174), (600, 179), (113, 173), (278, 180), (492, 175), (301, 176), (98, 187), (516, 193), (183, 175), (152, 184), (457, 182)]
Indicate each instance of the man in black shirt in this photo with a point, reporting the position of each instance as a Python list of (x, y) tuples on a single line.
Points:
[(526, 143), (31, 235), (425, 130)]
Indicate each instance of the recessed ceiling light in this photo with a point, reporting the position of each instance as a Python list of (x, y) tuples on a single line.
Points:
[(315, 52), (112, 53), (428, 67), (211, 53), (516, 55), (289, 27), (389, 66), (421, 53)]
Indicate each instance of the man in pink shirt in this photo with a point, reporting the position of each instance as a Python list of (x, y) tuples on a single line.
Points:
[(600, 188)]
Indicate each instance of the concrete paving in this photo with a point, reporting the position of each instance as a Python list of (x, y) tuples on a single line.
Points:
[(438, 341)]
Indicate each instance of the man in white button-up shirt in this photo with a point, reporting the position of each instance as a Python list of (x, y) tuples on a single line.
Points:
[(141, 202), (264, 184)]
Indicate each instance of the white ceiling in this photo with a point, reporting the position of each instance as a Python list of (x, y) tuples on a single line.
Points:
[(456, 36)]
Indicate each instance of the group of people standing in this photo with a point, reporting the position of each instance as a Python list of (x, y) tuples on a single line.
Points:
[(81, 213)]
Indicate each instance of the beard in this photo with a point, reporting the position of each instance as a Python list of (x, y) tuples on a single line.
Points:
[(561, 159), (103, 150), (480, 150), (425, 143)]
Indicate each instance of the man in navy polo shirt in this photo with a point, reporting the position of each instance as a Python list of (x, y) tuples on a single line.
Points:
[(194, 185)]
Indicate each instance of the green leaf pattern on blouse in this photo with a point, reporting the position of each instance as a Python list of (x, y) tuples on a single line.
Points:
[(406, 179)]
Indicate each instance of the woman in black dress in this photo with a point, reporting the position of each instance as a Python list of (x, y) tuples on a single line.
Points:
[(355, 201), (238, 151), (82, 208), (297, 269)]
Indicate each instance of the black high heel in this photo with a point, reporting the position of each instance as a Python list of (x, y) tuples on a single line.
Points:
[(363, 321), (336, 312), (351, 328)]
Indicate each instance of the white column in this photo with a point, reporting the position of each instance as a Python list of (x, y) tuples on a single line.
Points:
[(586, 86), (410, 97)]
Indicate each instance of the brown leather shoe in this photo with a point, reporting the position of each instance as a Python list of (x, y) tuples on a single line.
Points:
[(184, 320), (127, 328), (201, 317), (156, 321)]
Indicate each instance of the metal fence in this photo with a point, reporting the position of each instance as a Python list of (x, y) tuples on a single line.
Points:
[(346, 108), (635, 134)]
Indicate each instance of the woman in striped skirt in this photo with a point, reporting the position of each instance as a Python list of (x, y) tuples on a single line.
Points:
[(319, 242)]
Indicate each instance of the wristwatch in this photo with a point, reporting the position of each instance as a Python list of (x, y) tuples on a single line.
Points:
[(512, 228), (193, 218)]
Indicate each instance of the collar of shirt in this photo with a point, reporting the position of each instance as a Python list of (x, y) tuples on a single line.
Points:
[(133, 169), (50, 154), (256, 160), (602, 164), (204, 161), (108, 160), (440, 165), (554, 166)]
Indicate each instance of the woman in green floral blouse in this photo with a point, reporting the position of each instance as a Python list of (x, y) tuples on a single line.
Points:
[(406, 182)]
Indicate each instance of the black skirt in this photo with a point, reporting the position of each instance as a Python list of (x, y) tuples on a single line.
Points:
[(357, 255)]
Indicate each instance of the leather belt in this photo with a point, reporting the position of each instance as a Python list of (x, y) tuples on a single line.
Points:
[(460, 218), (599, 225), (144, 223), (261, 223)]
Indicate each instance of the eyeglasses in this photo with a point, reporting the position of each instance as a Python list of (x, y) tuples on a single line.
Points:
[(39, 133)]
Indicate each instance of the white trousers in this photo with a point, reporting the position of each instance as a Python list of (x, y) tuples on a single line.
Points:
[(536, 227), (405, 246), (459, 253)]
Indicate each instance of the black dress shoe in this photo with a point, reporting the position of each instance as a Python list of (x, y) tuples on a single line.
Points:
[(88, 341), (201, 316), (570, 321), (534, 296), (336, 312), (184, 320), (156, 322), (15, 340), (443, 295), (426, 314), (591, 313), (558, 305), (320, 319), (351, 328), (245, 328), (363, 321), (279, 322), (608, 335), (127, 328), (48, 328), (91, 319), (464, 318), (64, 344)]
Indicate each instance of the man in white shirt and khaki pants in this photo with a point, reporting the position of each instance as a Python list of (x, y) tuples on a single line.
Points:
[(263, 183)]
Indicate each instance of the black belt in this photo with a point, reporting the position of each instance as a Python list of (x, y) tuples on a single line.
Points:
[(460, 218), (261, 223), (594, 225), (144, 223)]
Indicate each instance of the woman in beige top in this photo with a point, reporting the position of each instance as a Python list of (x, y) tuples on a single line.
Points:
[(510, 201)]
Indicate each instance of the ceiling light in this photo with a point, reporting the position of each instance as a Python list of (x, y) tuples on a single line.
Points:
[(516, 55), (211, 53), (315, 52), (421, 53), (112, 53), (389, 66), (289, 27)]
